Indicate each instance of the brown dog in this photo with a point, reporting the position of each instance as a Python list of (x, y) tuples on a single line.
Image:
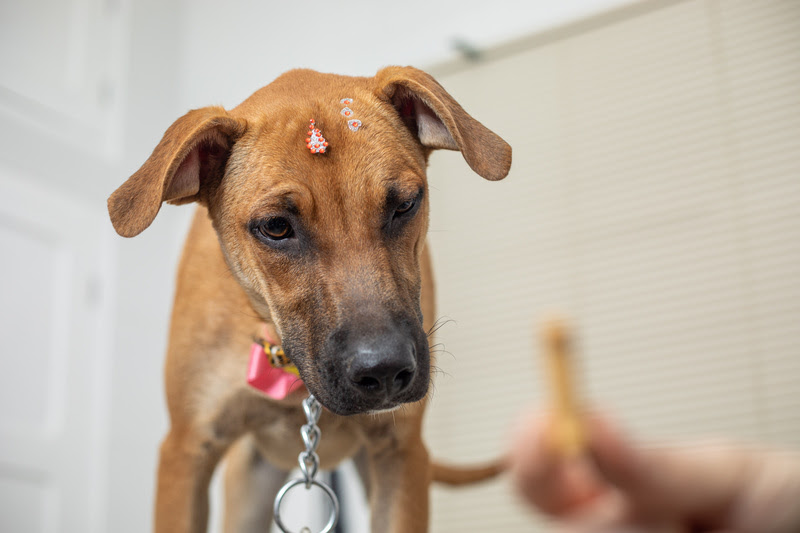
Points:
[(328, 249)]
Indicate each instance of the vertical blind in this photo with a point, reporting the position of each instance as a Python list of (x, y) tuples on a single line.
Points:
[(655, 199)]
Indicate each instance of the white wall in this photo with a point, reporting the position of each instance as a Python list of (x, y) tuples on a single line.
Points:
[(229, 49)]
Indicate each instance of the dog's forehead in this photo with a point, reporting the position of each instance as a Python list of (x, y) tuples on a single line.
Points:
[(377, 156)]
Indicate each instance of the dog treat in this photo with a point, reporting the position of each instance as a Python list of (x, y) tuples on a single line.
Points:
[(567, 432)]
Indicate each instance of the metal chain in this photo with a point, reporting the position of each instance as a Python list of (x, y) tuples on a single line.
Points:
[(309, 460), (309, 465)]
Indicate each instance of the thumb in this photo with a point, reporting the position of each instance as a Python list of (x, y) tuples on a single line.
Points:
[(697, 483)]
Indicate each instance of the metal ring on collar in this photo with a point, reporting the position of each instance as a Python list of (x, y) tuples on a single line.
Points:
[(325, 488)]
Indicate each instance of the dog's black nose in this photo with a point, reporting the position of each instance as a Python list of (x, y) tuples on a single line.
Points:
[(382, 367)]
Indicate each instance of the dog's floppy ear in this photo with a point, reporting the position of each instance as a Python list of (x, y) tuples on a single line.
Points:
[(195, 146), (440, 122)]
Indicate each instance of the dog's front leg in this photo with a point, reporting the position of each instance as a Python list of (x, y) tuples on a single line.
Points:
[(251, 484), (186, 464), (400, 480)]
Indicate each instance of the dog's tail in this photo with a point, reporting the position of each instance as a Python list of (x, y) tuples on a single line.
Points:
[(465, 475)]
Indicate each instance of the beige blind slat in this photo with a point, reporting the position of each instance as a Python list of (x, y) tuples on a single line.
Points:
[(655, 195)]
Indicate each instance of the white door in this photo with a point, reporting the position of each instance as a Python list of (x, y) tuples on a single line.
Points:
[(53, 368), (60, 101)]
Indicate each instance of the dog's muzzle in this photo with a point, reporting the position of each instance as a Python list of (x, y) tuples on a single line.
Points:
[(365, 370)]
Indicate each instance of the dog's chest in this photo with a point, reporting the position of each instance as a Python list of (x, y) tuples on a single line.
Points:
[(280, 442)]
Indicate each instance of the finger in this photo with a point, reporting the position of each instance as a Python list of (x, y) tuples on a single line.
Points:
[(699, 482), (619, 528), (544, 477), (613, 452), (616, 517)]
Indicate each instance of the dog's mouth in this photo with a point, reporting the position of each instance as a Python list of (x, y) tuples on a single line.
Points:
[(345, 403)]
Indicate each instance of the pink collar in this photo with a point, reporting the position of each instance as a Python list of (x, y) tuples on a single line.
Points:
[(272, 373)]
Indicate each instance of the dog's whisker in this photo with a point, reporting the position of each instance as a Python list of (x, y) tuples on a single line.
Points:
[(438, 371), (439, 324), (248, 314), (439, 348)]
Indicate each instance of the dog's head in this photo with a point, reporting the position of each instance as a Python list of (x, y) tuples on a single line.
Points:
[(327, 246)]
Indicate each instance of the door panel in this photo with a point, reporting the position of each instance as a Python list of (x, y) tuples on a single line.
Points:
[(54, 315)]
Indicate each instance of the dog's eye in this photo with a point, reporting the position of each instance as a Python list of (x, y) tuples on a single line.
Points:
[(275, 228), (405, 207)]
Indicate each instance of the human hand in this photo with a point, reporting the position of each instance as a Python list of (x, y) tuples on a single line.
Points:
[(619, 486)]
